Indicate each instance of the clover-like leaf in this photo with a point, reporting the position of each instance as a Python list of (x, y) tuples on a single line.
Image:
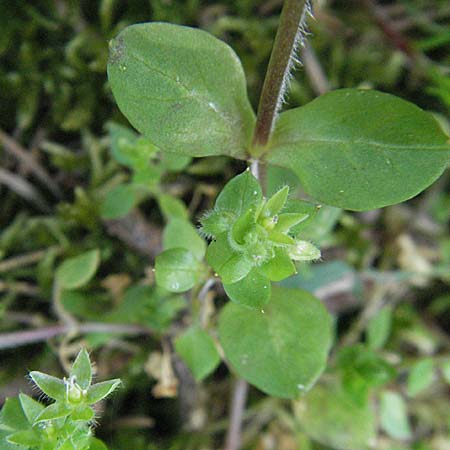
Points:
[(197, 349), (101, 390), (76, 272), (281, 350), (49, 385), (182, 88), (360, 149), (82, 369), (177, 270)]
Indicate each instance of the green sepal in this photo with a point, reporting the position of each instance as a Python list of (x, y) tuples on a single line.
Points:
[(303, 251), (101, 390), (280, 239), (288, 220), (275, 203), (243, 225), (82, 413), (49, 385), (54, 411), (82, 369)]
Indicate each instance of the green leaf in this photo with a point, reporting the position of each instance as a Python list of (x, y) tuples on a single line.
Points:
[(275, 203), (303, 251), (379, 328), (49, 385), (420, 377), (393, 415), (28, 438), (281, 350), (83, 413), (30, 407), (121, 139), (174, 162), (172, 207), (279, 267), (12, 416), (230, 265), (360, 149), (215, 222), (82, 369), (289, 220), (54, 411), (239, 194), (101, 390), (76, 272), (330, 416), (254, 290), (97, 444), (446, 371), (179, 233), (182, 88), (119, 201), (177, 270), (197, 349)]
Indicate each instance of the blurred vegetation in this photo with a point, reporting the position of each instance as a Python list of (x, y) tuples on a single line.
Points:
[(385, 274)]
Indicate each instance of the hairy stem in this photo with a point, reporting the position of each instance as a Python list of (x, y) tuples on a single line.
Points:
[(280, 65)]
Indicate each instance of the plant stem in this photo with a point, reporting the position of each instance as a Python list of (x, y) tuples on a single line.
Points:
[(239, 398), (278, 70)]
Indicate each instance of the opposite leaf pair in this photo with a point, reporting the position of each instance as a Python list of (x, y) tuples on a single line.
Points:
[(254, 242)]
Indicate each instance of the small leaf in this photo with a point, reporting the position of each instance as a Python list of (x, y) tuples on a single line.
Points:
[(30, 407), (240, 194), (119, 201), (121, 137), (279, 267), (182, 88), (97, 444), (177, 270), (54, 411), (82, 369), (76, 272), (379, 328), (275, 203), (12, 416), (197, 349), (179, 233), (230, 265), (281, 350), (28, 438), (280, 239), (360, 149), (101, 390), (420, 377), (215, 223), (49, 385), (83, 413), (243, 225), (254, 290), (393, 416), (172, 207)]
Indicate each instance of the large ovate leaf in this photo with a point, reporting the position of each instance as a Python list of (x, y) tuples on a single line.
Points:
[(360, 149), (182, 88), (281, 350)]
